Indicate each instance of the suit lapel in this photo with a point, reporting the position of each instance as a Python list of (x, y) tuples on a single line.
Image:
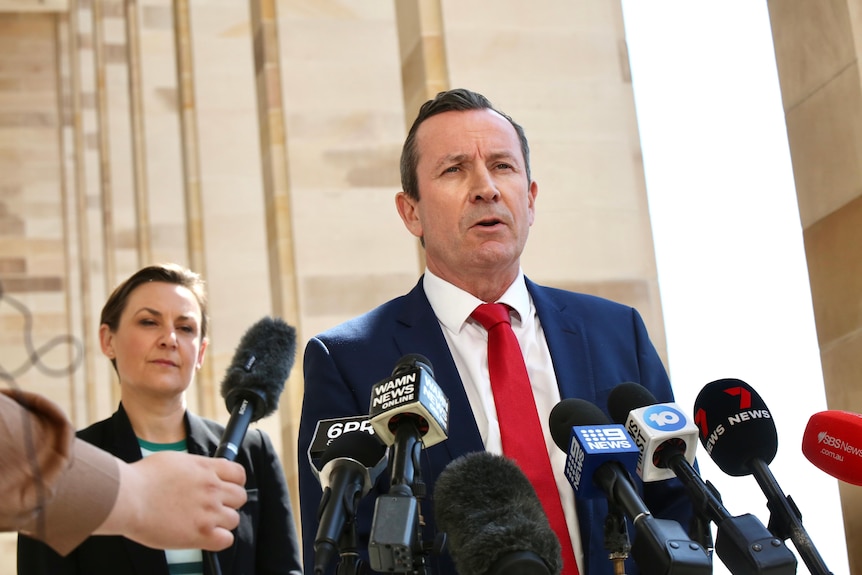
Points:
[(569, 348), (567, 343), (124, 442), (418, 331)]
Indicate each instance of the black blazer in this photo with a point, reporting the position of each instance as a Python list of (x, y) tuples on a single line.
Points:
[(265, 542)]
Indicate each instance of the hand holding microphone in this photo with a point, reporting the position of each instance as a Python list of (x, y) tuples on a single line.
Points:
[(737, 430)]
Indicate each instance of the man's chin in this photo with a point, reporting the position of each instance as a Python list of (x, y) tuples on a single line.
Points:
[(492, 258)]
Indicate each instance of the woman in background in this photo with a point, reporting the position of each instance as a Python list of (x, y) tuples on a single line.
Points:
[(154, 331)]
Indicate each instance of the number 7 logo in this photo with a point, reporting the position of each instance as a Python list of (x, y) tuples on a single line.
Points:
[(744, 396), (744, 403)]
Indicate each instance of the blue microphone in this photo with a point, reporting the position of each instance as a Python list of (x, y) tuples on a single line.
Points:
[(590, 448), (601, 458)]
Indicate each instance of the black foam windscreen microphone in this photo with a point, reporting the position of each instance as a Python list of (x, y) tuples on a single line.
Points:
[(252, 385), (738, 432), (493, 520), (255, 379), (350, 467)]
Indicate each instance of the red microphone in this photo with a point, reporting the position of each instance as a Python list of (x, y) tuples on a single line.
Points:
[(833, 442)]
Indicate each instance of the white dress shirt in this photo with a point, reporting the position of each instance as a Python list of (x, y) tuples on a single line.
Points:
[(468, 343)]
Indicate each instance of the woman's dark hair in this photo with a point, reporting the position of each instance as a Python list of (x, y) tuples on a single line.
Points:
[(165, 273)]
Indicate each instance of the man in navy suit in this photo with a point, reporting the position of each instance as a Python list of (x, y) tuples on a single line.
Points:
[(468, 195)]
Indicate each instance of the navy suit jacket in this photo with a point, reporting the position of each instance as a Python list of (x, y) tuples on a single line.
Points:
[(595, 345), (264, 542)]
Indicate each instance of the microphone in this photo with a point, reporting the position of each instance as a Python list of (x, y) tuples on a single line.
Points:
[(833, 442), (351, 465), (410, 394), (738, 432), (735, 426), (255, 379), (408, 411), (493, 520), (252, 385), (583, 431), (328, 430), (602, 455), (661, 431), (667, 441)]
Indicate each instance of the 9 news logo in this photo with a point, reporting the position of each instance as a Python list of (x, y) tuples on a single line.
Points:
[(604, 438), (664, 418)]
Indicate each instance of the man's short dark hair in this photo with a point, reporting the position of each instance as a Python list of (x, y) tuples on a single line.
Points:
[(457, 100)]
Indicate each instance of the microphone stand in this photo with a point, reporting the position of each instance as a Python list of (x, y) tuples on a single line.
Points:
[(617, 539), (396, 543), (785, 520), (661, 546), (744, 545), (350, 563)]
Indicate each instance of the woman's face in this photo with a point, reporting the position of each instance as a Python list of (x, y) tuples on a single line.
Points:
[(157, 346)]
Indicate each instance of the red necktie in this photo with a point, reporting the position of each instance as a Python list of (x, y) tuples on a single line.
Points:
[(520, 430)]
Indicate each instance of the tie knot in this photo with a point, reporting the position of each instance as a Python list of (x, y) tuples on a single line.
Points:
[(491, 314)]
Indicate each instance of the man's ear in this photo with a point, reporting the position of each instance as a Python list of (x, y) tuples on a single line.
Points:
[(409, 212), (532, 192)]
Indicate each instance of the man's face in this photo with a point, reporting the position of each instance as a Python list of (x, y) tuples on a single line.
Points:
[(476, 205)]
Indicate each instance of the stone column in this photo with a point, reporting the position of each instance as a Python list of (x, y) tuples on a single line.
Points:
[(818, 68)]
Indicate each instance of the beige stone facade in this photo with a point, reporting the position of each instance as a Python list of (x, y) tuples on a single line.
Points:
[(258, 143), (817, 50)]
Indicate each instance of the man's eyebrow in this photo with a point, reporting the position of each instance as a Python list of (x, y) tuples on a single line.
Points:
[(492, 157), (451, 159), (503, 155)]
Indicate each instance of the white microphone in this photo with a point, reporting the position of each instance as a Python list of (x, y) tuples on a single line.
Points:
[(659, 429), (410, 393)]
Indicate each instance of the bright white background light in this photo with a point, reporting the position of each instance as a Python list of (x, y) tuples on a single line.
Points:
[(731, 263)]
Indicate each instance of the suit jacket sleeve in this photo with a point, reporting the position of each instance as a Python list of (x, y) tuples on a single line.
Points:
[(327, 395), (79, 482)]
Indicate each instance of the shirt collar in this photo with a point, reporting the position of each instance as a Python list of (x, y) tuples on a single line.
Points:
[(453, 306)]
